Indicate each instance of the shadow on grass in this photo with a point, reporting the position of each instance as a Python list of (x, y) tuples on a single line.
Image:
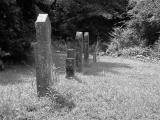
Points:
[(99, 67), (16, 74), (61, 100)]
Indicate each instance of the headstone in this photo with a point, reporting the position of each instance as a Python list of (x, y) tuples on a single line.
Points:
[(1, 62), (70, 63), (1, 65), (71, 53), (86, 48), (68, 44), (94, 57), (43, 54), (96, 49), (79, 51), (70, 67)]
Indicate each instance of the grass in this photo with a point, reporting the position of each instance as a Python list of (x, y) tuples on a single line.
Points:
[(111, 89)]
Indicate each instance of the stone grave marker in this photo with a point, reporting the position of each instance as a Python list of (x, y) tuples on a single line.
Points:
[(79, 51), (43, 54), (70, 63), (71, 53), (86, 48)]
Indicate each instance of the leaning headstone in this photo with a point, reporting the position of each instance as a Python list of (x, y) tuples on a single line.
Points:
[(79, 51), (43, 55), (70, 63), (86, 48)]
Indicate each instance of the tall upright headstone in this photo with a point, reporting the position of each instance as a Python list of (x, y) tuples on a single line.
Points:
[(96, 49), (79, 51), (94, 57), (43, 54), (86, 48)]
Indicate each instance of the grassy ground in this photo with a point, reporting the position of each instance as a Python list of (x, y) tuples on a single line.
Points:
[(111, 89)]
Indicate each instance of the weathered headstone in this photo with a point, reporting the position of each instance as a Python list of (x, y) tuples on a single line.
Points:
[(86, 48), (43, 55), (79, 51), (1, 65), (94, 57), (70, 67), (1, 62), (68, 44), (96, 49), (71, 53), (70, 63)]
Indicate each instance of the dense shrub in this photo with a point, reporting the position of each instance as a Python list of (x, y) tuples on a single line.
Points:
[(143, 28), (124, 38), (140, 34)]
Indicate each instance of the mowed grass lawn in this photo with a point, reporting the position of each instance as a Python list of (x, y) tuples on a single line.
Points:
[(111, 89)]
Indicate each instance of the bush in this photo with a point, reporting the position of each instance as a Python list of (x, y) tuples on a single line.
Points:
[(145, 54), (134, 51), (139, 35), (146, 21), (123, 38)]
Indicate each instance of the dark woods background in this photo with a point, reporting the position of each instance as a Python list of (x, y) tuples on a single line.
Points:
[(107, 18)]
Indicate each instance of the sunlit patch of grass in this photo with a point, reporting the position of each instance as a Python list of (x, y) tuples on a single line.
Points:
[(115, 91), (119, 89)]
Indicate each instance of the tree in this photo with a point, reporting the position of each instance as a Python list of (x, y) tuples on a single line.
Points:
[(13, 30), (77, 15), (146, 20), (67, 16)]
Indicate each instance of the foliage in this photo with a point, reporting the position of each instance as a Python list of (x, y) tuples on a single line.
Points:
[(67, 17), (14, 30), (124, 38), (146, 20), (125, 42), (143, 27), (86, 15), (141, 53), (140, 34), (134, 51)]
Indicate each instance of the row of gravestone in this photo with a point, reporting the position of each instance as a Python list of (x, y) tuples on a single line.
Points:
[(74, 60), (43, 54)]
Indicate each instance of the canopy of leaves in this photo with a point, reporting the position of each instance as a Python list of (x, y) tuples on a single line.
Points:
[(94, 16), (67, 17)]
